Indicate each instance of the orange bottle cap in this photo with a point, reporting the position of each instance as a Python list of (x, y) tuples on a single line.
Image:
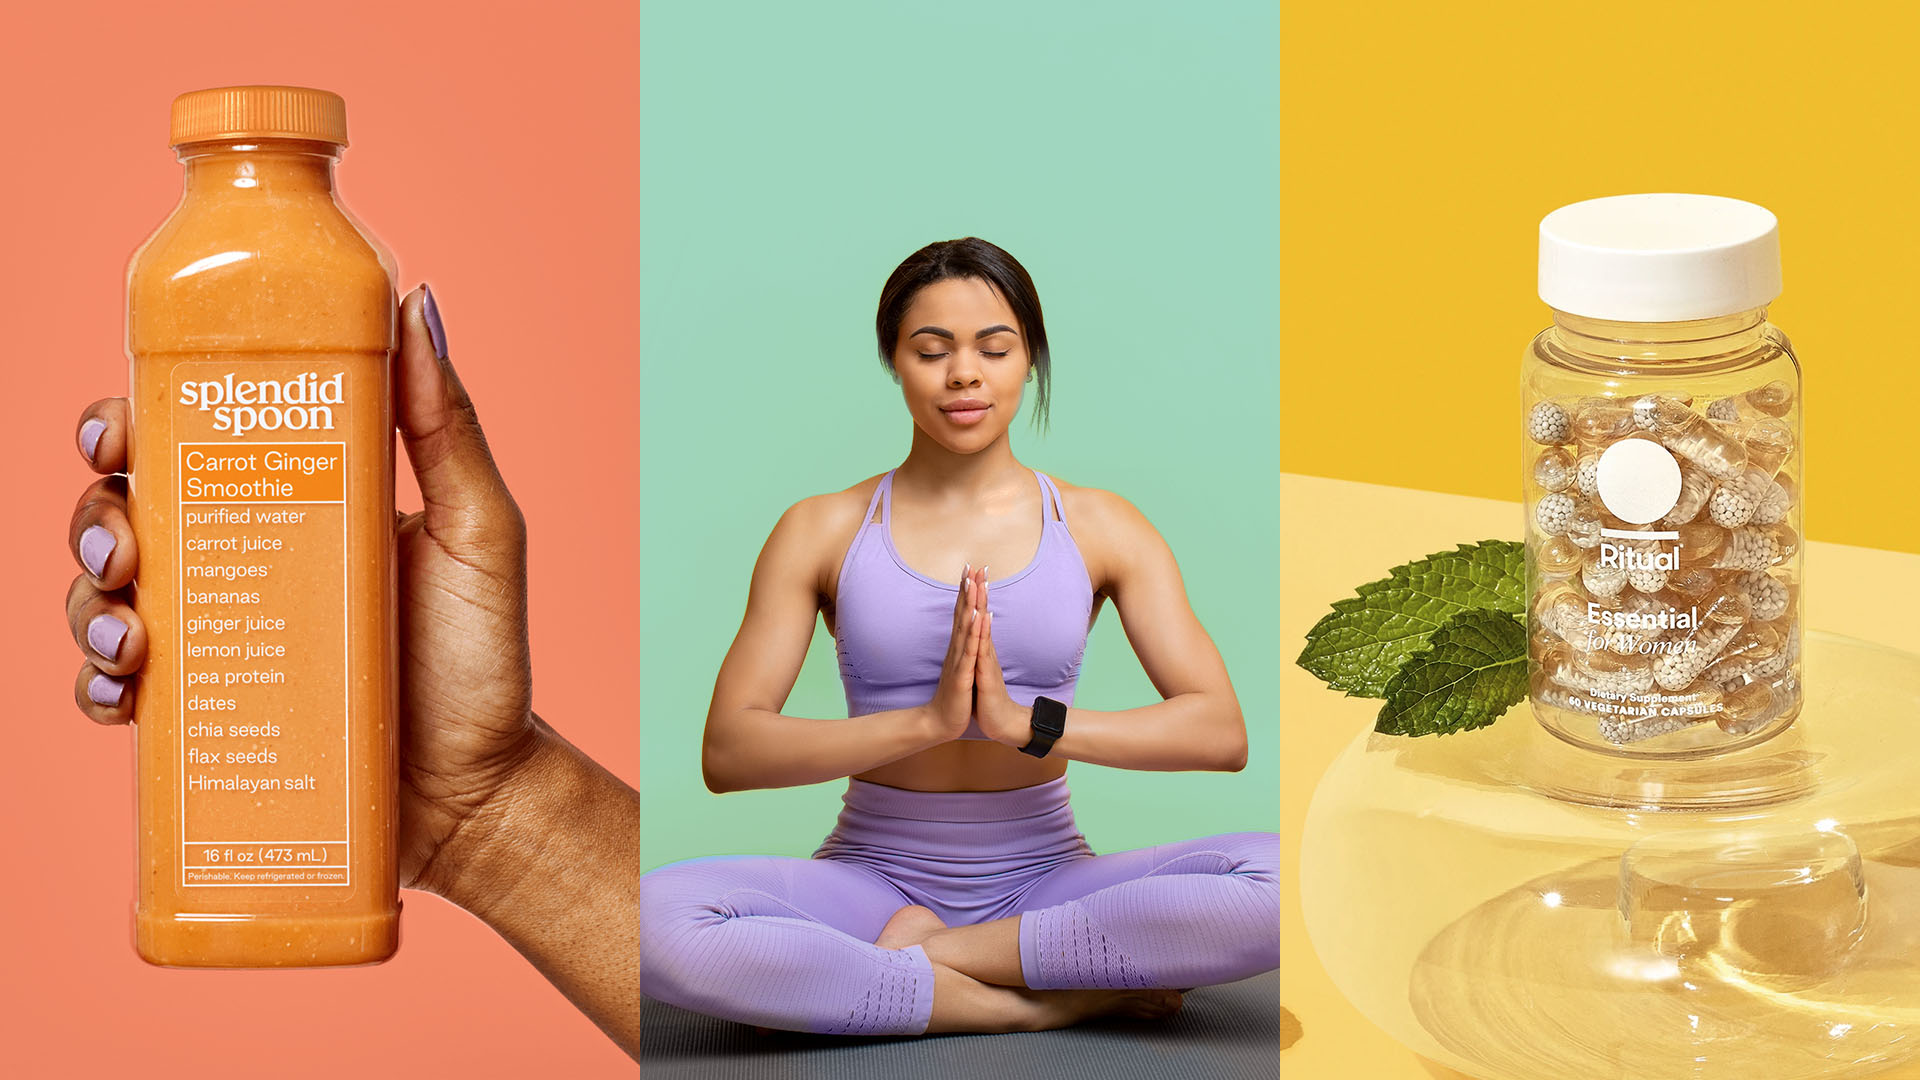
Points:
[(259, 112)]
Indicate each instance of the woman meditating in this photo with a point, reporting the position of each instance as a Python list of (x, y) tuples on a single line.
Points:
[(955, 893)]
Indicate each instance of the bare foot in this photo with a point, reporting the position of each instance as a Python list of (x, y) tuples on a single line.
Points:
[(911, 925), (1064, 1008), (963, 1003)]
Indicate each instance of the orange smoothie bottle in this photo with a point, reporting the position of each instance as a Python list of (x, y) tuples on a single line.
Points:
[(261, 324)]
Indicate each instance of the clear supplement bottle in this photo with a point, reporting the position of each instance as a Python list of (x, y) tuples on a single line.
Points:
[(260, 327), (1660, 428)]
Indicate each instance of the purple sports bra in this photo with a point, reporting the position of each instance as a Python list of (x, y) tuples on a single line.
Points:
[(892, 623)]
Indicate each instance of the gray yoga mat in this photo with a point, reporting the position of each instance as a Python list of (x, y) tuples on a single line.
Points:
[(1229, 1032)]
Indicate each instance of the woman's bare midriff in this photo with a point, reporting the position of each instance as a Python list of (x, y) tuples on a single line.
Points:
[(967, 766)]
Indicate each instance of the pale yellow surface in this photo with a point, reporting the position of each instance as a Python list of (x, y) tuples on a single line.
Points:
[(1422, 143), (1337, 534)]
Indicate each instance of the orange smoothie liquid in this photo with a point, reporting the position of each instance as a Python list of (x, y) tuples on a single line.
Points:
[(261, 325)]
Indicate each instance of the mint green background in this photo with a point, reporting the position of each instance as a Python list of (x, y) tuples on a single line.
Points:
[(791, 155)]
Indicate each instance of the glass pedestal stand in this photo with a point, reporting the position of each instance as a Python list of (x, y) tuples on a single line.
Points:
[(1519, 908)]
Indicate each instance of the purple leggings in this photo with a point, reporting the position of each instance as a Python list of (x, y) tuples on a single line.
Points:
[(788, 943)]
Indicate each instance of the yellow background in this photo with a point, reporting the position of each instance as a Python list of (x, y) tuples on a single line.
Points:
[(1422, 143), (1420, 146)]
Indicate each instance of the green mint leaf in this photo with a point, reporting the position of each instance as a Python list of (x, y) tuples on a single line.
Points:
[(1360, 646), (1473, 669)]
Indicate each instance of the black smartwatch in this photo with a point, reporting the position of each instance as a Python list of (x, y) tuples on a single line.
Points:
[(1049, 723)]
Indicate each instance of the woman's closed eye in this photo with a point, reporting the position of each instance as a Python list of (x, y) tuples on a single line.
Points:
[(942, 356)]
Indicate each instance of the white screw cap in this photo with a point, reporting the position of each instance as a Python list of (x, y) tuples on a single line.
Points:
[(1659, 258)]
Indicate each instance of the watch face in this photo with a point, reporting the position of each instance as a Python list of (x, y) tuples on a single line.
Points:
[(1049, 717)]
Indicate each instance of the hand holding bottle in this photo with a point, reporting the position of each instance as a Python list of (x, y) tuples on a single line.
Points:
[(479, 772), (466, 673)]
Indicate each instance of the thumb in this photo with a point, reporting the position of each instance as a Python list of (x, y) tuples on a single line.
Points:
[(467, 502)]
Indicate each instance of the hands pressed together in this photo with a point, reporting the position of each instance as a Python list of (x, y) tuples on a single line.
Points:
[(972, 685)]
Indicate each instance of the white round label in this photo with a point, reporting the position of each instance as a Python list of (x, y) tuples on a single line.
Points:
[(1638, 480)]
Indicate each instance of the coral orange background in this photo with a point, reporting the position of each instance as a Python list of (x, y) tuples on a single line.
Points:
[(495, 149)]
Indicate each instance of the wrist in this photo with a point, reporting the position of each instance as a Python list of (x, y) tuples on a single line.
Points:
[(1013, 725), (1046, 724), (927, 725), (473, 865), (550, 861), (937, 726)]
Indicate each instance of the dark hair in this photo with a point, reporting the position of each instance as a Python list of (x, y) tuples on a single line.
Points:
[(968, 257)]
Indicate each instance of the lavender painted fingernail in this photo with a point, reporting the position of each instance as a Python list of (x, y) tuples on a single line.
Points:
[(105, 633), (435, 331), (90, 433), (96, 547), (105, 690)]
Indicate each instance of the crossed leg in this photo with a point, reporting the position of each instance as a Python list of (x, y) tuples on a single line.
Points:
[(779, 942), (820, 945), (1178, 915)]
